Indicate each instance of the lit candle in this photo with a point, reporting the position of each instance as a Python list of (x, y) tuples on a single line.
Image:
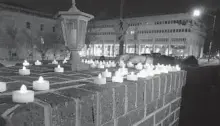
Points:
[(123, 71), (100, 80), (113, 64), (41, 84), (64, 61), (59, 69), (132, 77), (54, 62), (142, 74), (139, 66), (130, 64), (122, 64), (93, 65), (101, 66), (118, 77), (23, 95), (37, 63), (106, 73), (24, 71), (26, 63), (3, 87), (107, 65)]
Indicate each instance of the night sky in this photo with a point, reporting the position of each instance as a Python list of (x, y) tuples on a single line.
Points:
[(111, 8)]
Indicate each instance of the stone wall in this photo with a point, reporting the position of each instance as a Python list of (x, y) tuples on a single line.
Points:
[(74, 100)]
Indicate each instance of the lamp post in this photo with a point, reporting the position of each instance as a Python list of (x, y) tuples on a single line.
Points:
[(74, 25), (198, 13)]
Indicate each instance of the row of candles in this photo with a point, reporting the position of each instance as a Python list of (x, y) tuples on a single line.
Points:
[(24, 95), (147, 70), (25, 71)]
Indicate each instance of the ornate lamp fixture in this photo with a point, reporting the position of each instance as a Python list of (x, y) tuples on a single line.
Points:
[(74, 26)]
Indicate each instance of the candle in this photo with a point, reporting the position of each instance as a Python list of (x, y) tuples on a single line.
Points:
[(101, 66), (24, 71), (113, 64), (107, 65), (65, 61), (118, 77), (23, 95), (100, 80), (130, 64), (41, 84), (3, 87), (59, 69), (106, 73), (123, 71), (73, 35), (132, 77), (26, 63), (54, 62), (37, 63), (139, 66), (121, 64), (93, 65), (142, 74)]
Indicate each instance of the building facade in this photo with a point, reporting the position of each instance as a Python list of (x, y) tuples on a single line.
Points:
[(174, 34), (22, 28)]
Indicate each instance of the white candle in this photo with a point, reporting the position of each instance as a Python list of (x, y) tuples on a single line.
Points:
[(107, 65), (3, 87), (130, 64), (93, 65), (118, 77), (59, 69), (24, 71), (54, 62), (26, 63), (139, 66), (41, 84), (64, 61), (23, 95), (132, 77), (101, 66), (37, 63), (106, 73), (100, 80)]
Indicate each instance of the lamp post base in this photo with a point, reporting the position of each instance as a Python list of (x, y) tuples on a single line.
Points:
[(76, 64)]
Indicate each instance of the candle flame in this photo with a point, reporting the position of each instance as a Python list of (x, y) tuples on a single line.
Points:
[(24, 68), (40, 79), (132, 73), (106, 70), (23, 89), (99, 76), (58, 66)]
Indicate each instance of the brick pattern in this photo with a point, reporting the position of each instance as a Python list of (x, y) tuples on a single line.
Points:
[(77, 101)]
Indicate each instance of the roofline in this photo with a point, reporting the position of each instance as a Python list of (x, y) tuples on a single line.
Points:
[(27, 11), (140, 16)]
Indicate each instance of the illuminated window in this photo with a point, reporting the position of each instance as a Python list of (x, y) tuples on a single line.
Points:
[(41, 27), (28, 25)]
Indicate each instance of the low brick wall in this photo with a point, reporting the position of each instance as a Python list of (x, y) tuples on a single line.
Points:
[(75, 100)]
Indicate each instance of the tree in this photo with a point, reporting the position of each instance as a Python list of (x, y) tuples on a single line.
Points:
[(12, 32), (121, 30)]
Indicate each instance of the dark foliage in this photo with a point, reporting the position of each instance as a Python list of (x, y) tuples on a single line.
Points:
[(190, 61)]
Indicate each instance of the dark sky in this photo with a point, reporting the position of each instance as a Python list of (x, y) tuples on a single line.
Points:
[(110, 8)]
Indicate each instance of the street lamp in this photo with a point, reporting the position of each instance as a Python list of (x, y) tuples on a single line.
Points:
[(197, 13)]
